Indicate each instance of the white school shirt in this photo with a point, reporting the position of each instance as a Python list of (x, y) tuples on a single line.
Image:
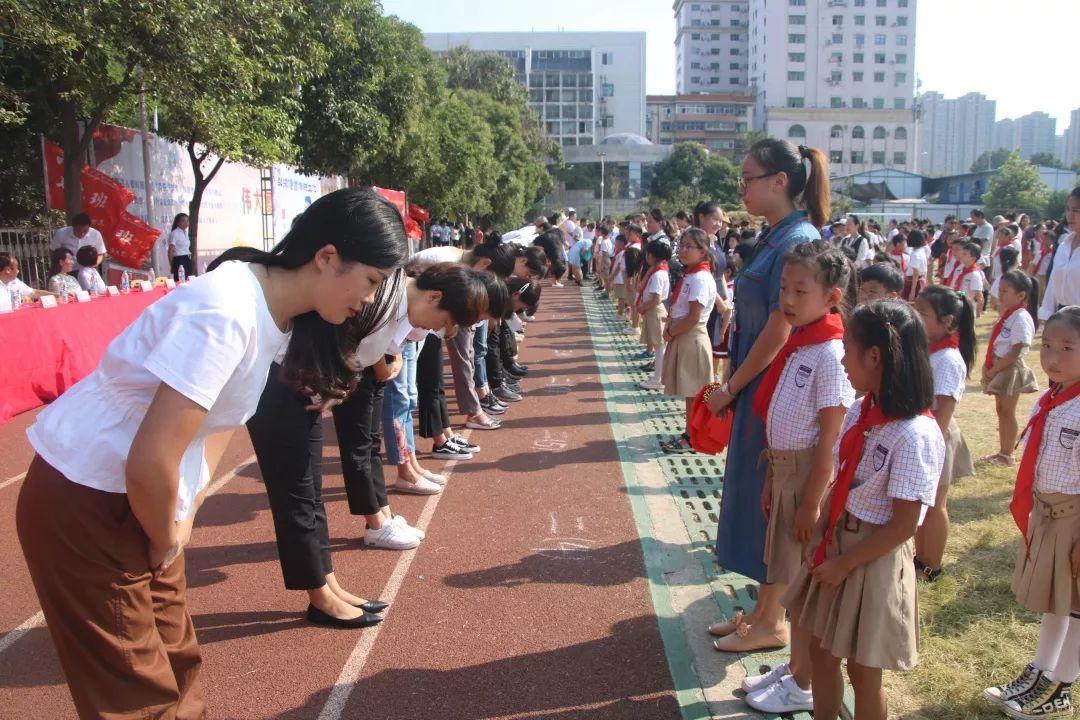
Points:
[(1019, 329), (916, 260), (950, 374), (16, 284), (974, 281), (1063, 285), (901, 460), (374, 346), (90, 280), (179, 241), (1058, 467), (699, 287), (435, 255), (606, 247), (813, 379), (984, 232), (620, 268), (65, 238), (659, 284), (212, 340)]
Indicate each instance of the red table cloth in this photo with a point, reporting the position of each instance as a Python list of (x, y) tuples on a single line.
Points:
[(47, 351)]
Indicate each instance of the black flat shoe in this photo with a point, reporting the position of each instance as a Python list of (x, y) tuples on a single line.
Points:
[(518, 370), (373, 606), (315, 616)]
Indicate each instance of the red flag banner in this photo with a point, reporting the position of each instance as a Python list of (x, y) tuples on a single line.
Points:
[(412, 229), (105, 200), (132, 241), (54, 175), (418, 213)]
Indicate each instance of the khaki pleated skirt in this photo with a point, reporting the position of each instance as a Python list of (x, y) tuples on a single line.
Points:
[(1016, 379), (627, 293), (687, 363), (958, 463), (652, 326), (790, 471), (1043, 580), (873, 616)]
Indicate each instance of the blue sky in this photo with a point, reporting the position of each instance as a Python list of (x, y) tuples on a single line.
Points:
[(1021, 53)]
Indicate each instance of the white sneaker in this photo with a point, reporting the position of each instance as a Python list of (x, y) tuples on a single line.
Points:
[(783, 697), (630, 330), (756, 683), (651, 384), (423, 486), (391, 536), (434, 477), (401, 522), (557, 284)]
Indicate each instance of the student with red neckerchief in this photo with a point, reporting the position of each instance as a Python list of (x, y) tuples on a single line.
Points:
[(651, 295), (967, 276), (856, 595), (1046, 508), (949, 319), (1005, 375)]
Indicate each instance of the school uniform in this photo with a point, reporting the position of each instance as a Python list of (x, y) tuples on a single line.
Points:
[(688, 359), (950, 379), (916, 260), (1018, 329), (652, 321), (618, 279), (813, 379), (873, 616), (1043, 581), (970, 283)]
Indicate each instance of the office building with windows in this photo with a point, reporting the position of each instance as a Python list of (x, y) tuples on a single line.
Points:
[(711, 46), (584, 85), (838, 75), (1072, 139), (714, 120), (953, 133)]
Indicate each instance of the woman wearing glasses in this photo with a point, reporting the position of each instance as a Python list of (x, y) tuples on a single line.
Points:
[(777, 179)]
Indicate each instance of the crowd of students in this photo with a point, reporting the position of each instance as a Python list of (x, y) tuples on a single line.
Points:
[(845, 348)]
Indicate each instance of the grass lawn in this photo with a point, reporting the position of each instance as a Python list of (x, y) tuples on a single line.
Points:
[(973, 632)]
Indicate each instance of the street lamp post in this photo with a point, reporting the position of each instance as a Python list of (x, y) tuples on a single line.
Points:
[(602, 156)]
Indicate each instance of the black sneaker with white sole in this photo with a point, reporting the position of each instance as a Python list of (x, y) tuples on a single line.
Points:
[(1047, 699), (450, 451), (492, 405), (505, 394), (1022, 683), (464, 444)]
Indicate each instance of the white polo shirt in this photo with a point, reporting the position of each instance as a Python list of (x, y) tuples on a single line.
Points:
[(950, 373), (700, 288), (812, 379), (65, 238), (1058, 468), (1019, 329)]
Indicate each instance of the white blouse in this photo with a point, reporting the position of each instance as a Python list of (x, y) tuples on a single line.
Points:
[(1063, 285)]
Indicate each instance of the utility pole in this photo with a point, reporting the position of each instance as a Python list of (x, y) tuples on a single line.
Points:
[(148, 193), (602, 156)]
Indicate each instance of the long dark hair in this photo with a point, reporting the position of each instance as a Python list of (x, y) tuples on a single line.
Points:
[(907, 382), (1020, 281), (363, 227), (946, 303), (811, 187), (56, 257), (176, 220)]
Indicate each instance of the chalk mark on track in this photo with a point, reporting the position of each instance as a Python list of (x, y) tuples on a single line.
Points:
[(12, 480)]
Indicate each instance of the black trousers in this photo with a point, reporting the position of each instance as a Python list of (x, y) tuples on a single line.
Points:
[(508, 347), (288, 445), (185, 261), (434, 415), (358, 422), (493, 359)]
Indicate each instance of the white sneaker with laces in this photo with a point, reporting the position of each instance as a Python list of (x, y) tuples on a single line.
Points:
[(391, 536), (783, 697), (434, 477), (756, 683), (651, 384), (423, 486), (401, 522)]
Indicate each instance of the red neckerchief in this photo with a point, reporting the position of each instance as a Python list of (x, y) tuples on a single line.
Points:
[(989, 362), (958, 281), (1022, 500), (648, 276), (825, 328), (851, 452), (615, 260), (903, 261), (704, 265), (952, 340)]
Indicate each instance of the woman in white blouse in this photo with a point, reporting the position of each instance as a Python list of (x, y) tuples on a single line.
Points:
[(124, 457), (1063, 284), (180, 248), (61, 280)]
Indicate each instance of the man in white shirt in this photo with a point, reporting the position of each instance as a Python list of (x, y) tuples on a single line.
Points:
[(78, 234), (984, 235), (570, 228), (10, 282)]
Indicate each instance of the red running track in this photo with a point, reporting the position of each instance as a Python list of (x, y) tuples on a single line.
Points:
[(528, 598)]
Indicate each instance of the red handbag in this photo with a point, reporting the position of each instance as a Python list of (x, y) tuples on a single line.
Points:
[(709, 433)]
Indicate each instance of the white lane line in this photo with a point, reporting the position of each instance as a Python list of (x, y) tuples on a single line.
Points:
[(12, 481), (38, 620), (350, 673)]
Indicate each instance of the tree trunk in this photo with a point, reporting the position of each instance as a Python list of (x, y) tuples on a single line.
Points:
[(201, 183), (70, 141)]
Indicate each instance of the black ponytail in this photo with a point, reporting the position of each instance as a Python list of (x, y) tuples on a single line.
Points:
[(811, 185), (946, 303), (1020, 281), (907, 382)]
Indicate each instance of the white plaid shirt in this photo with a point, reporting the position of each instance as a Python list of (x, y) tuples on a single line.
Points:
[(950, 374), (1058, 468), (901, 459), (813, 379), (1019, 329)]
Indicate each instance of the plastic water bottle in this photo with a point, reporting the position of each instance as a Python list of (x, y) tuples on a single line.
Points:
[(63, 292), (125, 283), (181, 275), (16, 299)]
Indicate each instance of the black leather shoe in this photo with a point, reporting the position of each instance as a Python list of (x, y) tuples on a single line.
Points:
[(315, 616), (374, 606), (517, 370)]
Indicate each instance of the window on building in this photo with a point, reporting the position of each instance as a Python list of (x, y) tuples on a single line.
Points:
[(695, 6), (860, 3), (733, 51), (858, 57), (837, 39), (879, 103), (733, 81), (714, 36), (714, 51), (878, 157), (860, 20), (902, 21), (695, 36), (796, 131), (900, 133), (879, 77), (901, 3), (880, 20), (901, 40), (837, 20), (899, 103), (796, 75), (836, 76), (858, 157), (858, 133), (879, 58), (605, 58), (860, 40), (796, 19), (882, 3), (797, 3), (607, 90), (796, 102), (714, 80), (901, 78), (880, 133), (736, 36), (856, 76), (899, 158), (796, 39), (835, 102), (796, 57), (836, 157), (836, 131), (695, 79), (695, 66), (880, 39), (858, 102), (901, 58), (733, 66)]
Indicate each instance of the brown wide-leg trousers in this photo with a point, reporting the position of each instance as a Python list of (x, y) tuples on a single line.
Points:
[(125, 641)]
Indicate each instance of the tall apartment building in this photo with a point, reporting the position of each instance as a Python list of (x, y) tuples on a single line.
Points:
[(714, 120), (953, 132), (1036, 132), (838, 75), (584, 85), (1005, 135), (1072, 139), (711, 46)]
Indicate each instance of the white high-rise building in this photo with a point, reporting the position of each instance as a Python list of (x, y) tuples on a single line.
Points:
[(1072, 139), (1006, 135), (838, 75), (1036, 132), (711, 46), (953, 132), (584, 85)]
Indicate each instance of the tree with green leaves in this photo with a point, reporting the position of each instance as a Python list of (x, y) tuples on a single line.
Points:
[(990, 160), (1047, 160), (691, 174), (1017, 186)]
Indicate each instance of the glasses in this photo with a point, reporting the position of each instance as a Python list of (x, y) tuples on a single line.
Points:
[(744, 180)]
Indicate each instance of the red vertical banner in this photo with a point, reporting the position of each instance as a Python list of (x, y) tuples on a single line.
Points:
[(54, 175)]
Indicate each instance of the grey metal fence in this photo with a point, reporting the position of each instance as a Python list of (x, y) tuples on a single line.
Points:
[(31, 248)]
